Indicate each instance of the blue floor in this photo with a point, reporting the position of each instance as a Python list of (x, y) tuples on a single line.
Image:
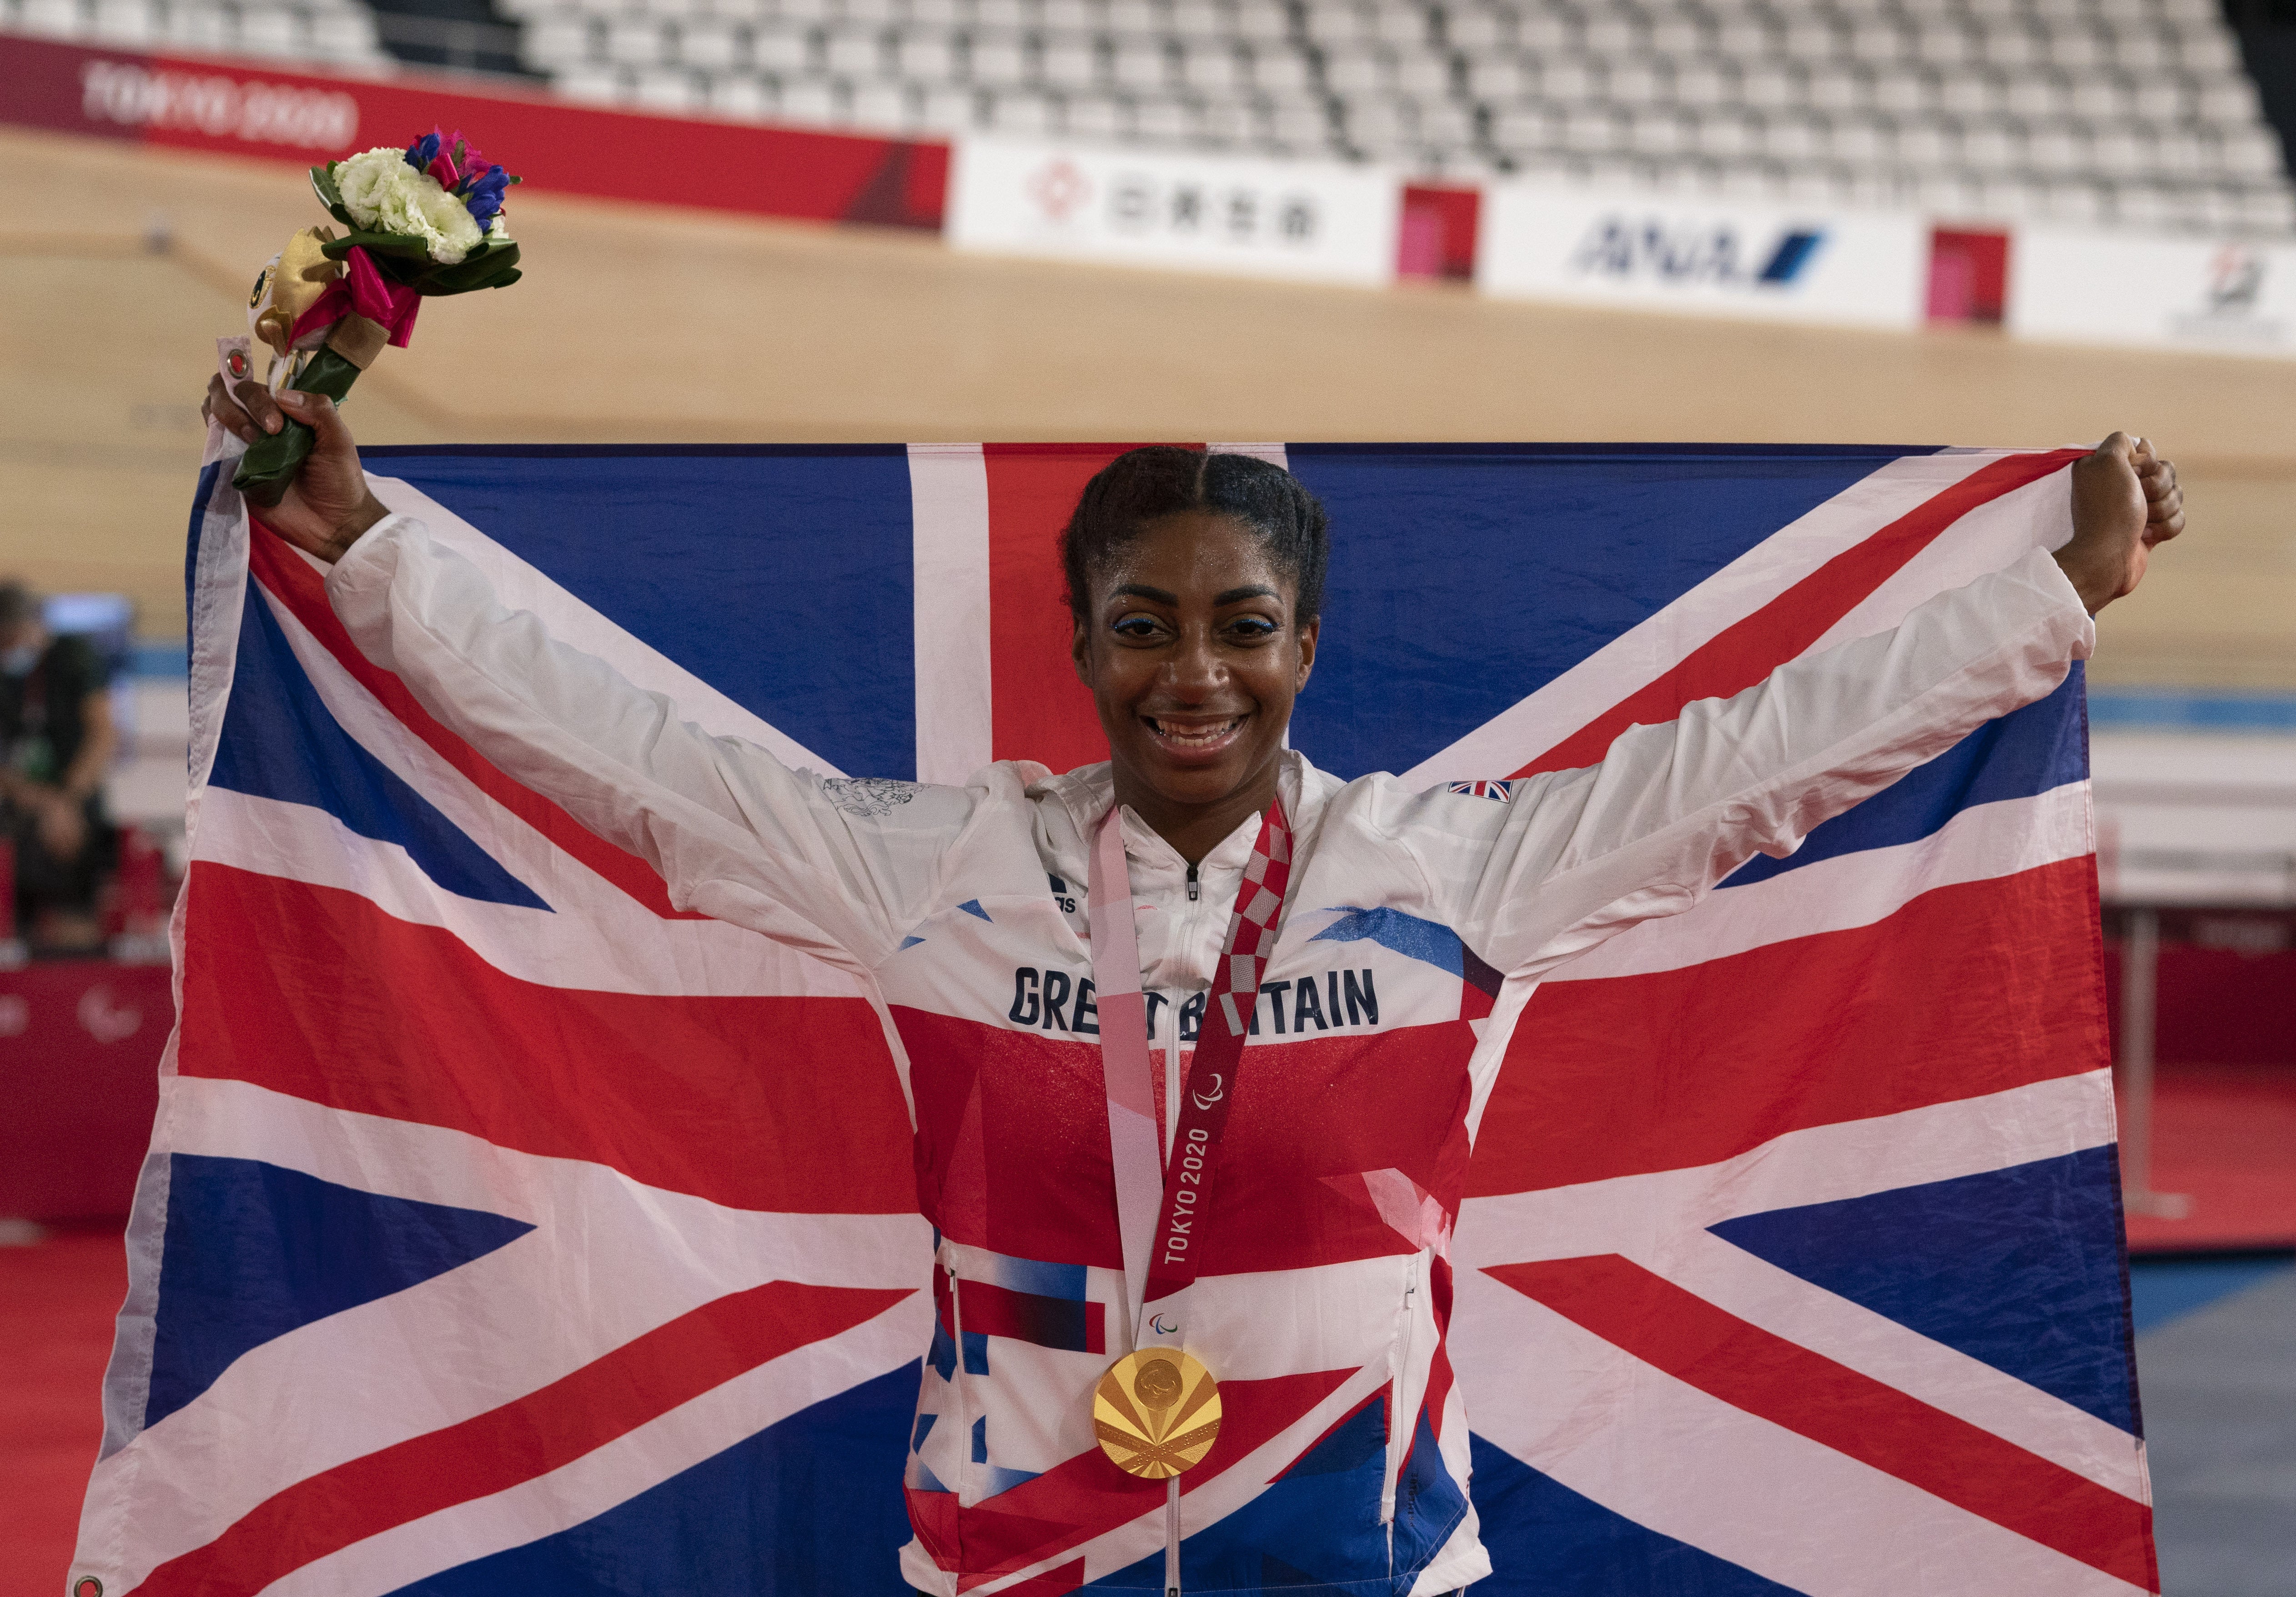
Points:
[(2162, 1290), (2215, 1364)]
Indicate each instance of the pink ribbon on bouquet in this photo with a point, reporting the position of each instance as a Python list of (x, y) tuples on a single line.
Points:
[(366, 291)]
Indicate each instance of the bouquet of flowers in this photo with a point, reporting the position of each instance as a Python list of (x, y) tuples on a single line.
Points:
[(423, 220)]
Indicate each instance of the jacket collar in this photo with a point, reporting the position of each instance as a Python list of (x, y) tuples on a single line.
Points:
[(1085, 794)]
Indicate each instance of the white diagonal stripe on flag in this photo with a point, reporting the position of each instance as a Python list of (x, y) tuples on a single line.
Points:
[(1519, 734), (949, 498), (1844, 1529), (627, 1282), (621, 1469)]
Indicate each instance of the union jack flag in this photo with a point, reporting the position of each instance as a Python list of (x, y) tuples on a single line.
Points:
[(507, 1229), (1500, 791)]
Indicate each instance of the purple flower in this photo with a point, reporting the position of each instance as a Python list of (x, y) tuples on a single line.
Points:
[(462, 171), (483, 194)]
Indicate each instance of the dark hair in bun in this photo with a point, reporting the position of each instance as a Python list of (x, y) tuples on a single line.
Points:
[(1142, 485)]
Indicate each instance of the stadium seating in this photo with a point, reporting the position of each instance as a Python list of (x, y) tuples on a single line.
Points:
[(2120, 113), (336, 32), (2115, 111)]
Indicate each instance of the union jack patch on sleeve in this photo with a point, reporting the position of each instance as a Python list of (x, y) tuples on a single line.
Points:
[(1501, 791)]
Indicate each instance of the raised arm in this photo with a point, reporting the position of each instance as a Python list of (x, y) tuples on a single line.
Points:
[(1580, 855), (837, 869)]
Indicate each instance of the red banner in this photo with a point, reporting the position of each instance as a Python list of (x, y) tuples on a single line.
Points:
[(213, 104)]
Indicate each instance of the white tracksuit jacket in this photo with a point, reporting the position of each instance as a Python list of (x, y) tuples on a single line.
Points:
[(1416, 926)]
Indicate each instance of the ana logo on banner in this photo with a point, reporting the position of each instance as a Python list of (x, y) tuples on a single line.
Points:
[(1622, 245), (1591, 245)]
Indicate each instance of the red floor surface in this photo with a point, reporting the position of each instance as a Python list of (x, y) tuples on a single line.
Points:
[(57, 1300), (2224, 1136)]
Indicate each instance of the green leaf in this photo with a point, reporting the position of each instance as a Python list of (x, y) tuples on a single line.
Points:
[(402, 246), (323, 183), (474, 271)]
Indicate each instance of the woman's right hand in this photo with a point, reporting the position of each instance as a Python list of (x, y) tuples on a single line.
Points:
[(327, 506)]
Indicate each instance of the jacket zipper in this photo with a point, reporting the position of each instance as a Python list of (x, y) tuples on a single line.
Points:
[(1400, 1426), (964, 1408), (1194, 888)]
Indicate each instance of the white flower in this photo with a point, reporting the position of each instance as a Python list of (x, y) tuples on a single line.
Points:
[(384, 195), (447, 223), (498, 231), (362, 180)]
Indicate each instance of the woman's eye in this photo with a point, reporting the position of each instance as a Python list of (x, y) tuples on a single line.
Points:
[(1253, 626), (1136, 627)]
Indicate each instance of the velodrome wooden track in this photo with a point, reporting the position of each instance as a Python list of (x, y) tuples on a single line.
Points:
[(118, 266)]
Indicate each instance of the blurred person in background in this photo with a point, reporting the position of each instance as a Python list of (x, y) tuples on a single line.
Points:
[(56, 741)]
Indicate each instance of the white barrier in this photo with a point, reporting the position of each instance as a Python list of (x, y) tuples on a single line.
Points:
[(1312, 220), (2214, 294), (1638, 251)]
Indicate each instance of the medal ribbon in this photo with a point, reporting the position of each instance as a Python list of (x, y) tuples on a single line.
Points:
[(1159, 1203)]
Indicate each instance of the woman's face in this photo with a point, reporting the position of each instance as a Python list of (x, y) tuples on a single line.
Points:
[(1193, 658)]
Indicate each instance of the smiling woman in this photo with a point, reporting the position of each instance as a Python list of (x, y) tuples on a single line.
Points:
[(1191, 1139), (1196, 582)]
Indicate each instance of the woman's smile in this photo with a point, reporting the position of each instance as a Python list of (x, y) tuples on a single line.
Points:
[(1195, 738)]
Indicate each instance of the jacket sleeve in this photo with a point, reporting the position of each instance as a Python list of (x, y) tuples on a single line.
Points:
[(1581, 855), (840, 870)]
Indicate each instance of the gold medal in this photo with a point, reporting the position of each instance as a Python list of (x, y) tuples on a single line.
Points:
[(1157, 1411)]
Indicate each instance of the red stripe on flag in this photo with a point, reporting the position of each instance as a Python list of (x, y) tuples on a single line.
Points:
[(1052, 1583), (1038, 709), (546, 1429), (1069, 1323), (788, 1105), (1970, 989), (1087, 1496), (1836, 1406), (1744, 653), (303, 591)]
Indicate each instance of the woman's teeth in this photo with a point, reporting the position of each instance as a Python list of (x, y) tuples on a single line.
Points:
[(1197, 737)]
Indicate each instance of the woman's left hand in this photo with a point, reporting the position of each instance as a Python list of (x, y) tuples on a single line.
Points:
[(2125, 501)]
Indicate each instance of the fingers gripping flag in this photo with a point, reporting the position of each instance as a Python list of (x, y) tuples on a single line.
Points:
[(506, 1229)]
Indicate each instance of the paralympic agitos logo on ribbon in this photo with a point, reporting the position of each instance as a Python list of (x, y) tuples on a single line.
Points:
[(1620, 246)]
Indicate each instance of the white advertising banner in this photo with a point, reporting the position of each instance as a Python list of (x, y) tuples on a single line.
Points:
[(1635, 250), (2217, 294), (1321, 221)]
